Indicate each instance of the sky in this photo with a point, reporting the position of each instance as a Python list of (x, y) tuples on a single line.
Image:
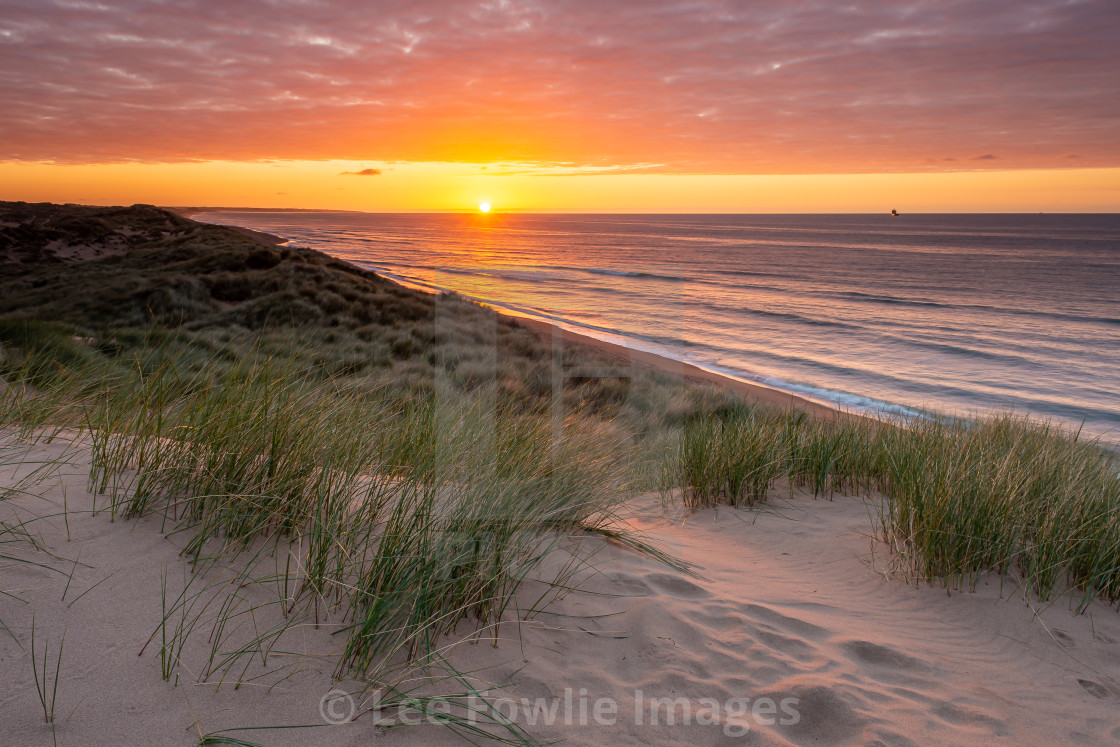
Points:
[(691, 106)]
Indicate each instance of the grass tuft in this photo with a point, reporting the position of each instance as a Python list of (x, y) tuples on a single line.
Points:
[(1001, 493)]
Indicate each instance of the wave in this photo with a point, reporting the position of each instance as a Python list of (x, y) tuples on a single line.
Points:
[(896, 301), (627, 274), (788, 316), (836, 397)]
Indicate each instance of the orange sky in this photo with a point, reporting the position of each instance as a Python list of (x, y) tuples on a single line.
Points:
[(410, 187), (716, 106)]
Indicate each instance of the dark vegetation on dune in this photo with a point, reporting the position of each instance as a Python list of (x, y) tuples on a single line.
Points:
[(214, 294)]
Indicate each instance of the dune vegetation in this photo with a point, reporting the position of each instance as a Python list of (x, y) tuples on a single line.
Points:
[(421, 457), (955, 498)]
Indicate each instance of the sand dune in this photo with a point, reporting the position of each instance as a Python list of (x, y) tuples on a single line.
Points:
[(792, 609)]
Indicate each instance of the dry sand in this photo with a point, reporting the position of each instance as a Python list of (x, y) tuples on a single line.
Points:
[(791, 604)]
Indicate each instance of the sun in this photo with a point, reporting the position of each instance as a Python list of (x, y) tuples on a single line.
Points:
[(484, 207)]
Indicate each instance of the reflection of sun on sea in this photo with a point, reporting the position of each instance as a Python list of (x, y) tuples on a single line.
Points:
[(484, 207)]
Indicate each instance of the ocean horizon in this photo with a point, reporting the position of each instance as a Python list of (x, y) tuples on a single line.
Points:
[(955, 313)]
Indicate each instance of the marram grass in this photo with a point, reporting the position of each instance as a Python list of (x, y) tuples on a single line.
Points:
[(1000, 493), (404, 510), (409, 513)]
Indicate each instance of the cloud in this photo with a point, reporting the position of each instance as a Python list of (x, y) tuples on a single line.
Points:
[(569, 169), (985, 157), (363, 172), (705, 86)]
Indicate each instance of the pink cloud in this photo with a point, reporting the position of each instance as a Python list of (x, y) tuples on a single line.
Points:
[(705, 86)]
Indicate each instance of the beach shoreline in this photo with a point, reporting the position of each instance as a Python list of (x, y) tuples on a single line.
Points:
[(768, 396), (264, 237), (551, 332)]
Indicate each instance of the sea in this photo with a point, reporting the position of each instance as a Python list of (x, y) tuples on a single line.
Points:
[(957, 314)]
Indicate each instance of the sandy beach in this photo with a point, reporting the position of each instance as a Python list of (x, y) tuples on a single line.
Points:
[(791, 608)]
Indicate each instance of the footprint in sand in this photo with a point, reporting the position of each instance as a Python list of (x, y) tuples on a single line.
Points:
[(824, 716), (1095, 689), (963, 715), (675, 586), (629, 586), (877, 655), (1062, 637), (785, 623)]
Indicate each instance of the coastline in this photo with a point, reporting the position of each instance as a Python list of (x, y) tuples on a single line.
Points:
[(264, 237), (550, 332), (687, 371), (188, 212)]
